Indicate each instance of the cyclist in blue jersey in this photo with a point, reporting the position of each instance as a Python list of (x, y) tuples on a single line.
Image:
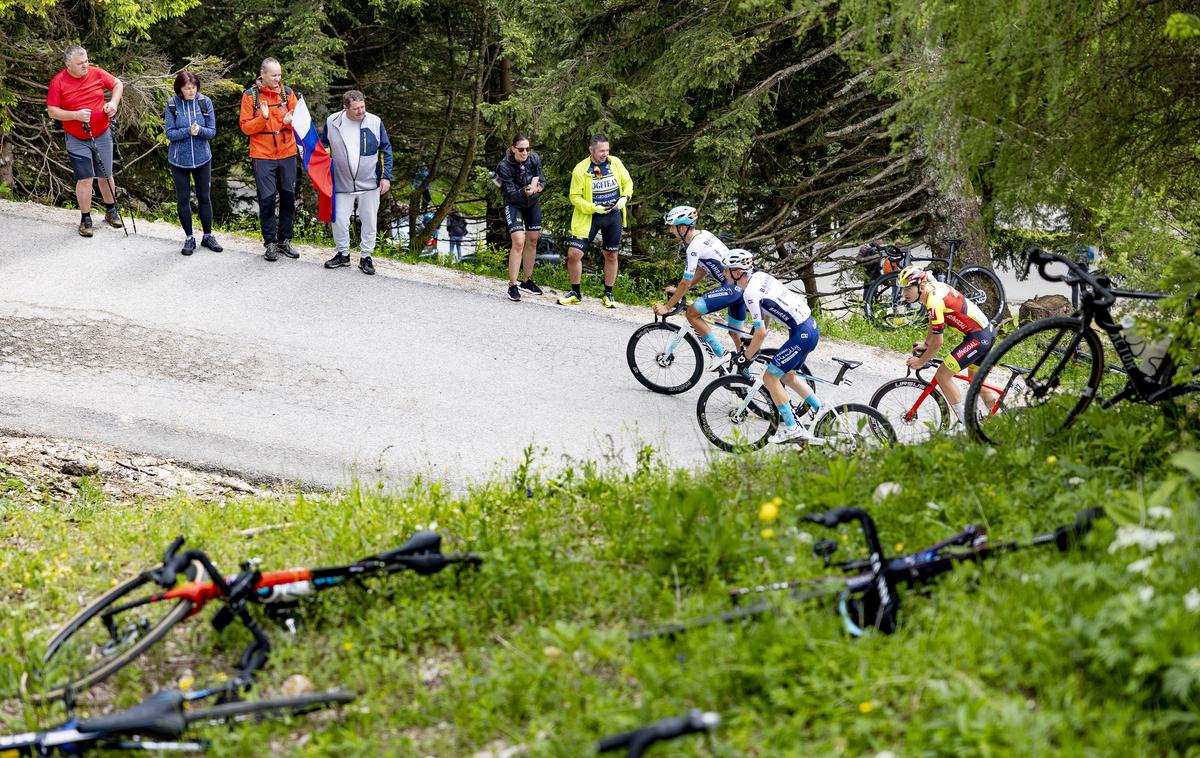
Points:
[(766, 297), (705, 257)]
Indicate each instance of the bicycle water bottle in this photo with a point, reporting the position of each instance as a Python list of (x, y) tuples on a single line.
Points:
[(1150, 356), (284, 593)]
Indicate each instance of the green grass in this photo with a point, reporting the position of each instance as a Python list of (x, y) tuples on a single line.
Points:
[(1033, 654)]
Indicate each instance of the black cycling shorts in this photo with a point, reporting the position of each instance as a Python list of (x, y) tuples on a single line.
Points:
[(609, 225), (971, 350), (523, 219)]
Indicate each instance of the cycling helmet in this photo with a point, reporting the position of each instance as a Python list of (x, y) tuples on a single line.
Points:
[(739, 259), (911, 275), (681, 215)]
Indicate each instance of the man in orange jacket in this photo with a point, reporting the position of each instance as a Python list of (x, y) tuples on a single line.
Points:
[(266, 118)]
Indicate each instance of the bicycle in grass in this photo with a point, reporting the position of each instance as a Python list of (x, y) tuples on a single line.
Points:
[(915, 408), (669, 358), (1066, 361), (737, 414), (159, 723), (636, 741), (127, 621), (869, 597), (884, 304)]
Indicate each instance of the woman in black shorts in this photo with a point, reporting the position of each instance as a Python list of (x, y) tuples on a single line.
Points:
[(521, 182)]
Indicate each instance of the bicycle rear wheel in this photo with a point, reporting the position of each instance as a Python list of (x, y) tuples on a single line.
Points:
[(982, 287), (885, 307), (731, 418), (912, 418), (1065, 360), (110, 634), (659, 368), (851, 427)]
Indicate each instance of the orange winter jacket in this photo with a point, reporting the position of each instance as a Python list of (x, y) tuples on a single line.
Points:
[(269, 138)]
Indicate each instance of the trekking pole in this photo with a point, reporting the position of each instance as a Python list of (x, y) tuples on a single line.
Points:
[(112, 185)]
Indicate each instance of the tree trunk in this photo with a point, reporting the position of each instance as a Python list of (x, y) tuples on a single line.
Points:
[(6, 160)]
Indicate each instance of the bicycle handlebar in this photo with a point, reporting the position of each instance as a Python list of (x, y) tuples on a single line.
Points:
[(846, 514), (637, 740), (1076, 274)]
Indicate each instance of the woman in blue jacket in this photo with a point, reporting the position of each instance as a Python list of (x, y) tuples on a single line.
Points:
[(191, 123)]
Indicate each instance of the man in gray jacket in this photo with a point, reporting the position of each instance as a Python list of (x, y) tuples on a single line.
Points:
[(362, 172)]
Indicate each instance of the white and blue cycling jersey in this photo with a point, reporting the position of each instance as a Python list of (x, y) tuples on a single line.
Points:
[(708, 251), (767, 296)]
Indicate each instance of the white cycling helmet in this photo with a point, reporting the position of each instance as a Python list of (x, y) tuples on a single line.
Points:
[(911, 275), (681, 215), (739, 259)]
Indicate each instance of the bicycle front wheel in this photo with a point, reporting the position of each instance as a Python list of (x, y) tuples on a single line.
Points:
[(733, 419), (982, 287), (886, 308), (110, 634), (657, 365), (913, 408), (851, 427), (1060, 361)]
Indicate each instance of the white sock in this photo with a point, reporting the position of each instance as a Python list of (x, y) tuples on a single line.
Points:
[(959, 412)]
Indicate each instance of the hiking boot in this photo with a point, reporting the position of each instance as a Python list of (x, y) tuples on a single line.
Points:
[(85, 227), (608, 301), (570, 299), (514, 294), (338, 260), (113, 219), (366, 265), (795, 433), (189, 246), (285, 248), (210, 242), (530, 287), (272, 253)]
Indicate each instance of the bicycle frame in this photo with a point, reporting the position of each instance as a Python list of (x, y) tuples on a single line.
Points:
[(933, 384), (686, 328)]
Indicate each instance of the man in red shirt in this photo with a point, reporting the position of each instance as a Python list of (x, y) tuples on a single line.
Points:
[(76, 98)]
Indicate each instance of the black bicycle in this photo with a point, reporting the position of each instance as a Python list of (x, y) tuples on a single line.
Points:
[(884, 304), (1066, 362), (159, 722), (637, 740), (869, 598), (115, 630)]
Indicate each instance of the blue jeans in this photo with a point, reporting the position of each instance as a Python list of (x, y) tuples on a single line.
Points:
[(456, 247)]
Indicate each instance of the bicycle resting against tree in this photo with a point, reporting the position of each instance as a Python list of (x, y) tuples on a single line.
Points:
[(159, 722), (112, 632), (869, 597), (885, 306), (1066, 359)]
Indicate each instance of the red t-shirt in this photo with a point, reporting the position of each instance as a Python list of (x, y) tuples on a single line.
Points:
[(73, 94)]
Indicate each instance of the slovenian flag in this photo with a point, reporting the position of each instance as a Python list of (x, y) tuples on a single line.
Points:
[(317, 160)]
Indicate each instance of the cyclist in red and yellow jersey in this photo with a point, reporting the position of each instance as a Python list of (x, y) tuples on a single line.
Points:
[(947, 305)]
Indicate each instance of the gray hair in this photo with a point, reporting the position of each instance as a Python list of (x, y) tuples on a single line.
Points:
[(597, 139), (353, 96), (70, 53), (267, 62)]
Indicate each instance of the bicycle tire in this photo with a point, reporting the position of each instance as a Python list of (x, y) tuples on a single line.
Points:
[(885, 307), (897, 398), (717, 411), (88, 620), (981, 286), (644, 353), (292, 706), (1050, 347), (851, 427)]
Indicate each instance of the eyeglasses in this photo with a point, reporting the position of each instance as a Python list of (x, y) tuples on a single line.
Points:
[(522, 149)]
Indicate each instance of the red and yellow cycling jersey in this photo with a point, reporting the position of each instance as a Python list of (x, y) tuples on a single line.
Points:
[(947, 305)]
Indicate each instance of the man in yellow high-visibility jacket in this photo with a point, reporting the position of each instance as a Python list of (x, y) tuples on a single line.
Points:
[(600, 189)]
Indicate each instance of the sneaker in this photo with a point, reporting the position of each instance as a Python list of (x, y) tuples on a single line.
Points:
[(113, 219), (608, 301), (189, 246), (795, 433), (366, 265), (272, 253), (530, 287), (570, 299), (716, 362), (285, 247), (514, 294), (210, 242), (85, 227), (338, 260)]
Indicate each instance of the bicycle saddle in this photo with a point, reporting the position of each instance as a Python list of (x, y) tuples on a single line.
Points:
[(849, 364), (160, 715), (1015, 369)]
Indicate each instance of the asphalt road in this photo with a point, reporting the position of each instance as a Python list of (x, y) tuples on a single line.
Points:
[(286, 370)]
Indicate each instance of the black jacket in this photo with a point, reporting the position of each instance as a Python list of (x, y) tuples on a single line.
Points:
[(515, 177), (456, 225)]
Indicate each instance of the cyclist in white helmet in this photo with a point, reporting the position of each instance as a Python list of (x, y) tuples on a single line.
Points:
[(705, 257), (766, 297)]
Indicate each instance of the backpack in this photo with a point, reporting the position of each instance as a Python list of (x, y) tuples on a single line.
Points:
[(203, 106)]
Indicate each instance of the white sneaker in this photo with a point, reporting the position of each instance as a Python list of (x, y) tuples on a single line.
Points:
[(795, 433)]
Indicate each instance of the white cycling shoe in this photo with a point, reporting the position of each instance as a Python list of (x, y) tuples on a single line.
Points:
[(795, 433), (716, 362)]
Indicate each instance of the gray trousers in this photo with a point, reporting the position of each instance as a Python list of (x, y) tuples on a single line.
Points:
[(368, 214)]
